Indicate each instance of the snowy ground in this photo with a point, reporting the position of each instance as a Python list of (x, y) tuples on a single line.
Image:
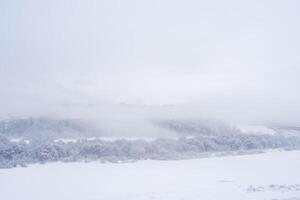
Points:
[(270, 176)]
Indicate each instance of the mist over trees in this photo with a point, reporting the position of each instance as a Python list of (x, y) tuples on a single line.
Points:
[(42, 140), (47, 128), (21, 154)]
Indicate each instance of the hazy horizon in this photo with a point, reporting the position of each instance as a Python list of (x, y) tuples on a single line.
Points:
[(231, 60)]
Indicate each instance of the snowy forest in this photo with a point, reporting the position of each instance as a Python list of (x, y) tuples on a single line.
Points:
[(195, 141)]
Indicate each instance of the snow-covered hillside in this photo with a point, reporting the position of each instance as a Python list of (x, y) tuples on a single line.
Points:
[(46, 128), (56, 128), (267, 176)]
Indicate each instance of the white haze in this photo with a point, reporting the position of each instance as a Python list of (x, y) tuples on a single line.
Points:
[(126, 61)]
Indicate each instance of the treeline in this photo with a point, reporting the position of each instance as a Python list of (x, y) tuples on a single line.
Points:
[(14, 154), (30, 128)]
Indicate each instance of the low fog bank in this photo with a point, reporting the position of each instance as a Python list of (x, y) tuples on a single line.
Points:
[(233, 111), (136, 121)]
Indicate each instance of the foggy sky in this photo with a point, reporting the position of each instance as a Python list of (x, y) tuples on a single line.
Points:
[(227, 59)]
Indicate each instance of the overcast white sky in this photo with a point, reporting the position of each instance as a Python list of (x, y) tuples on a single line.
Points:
[(237, 57)]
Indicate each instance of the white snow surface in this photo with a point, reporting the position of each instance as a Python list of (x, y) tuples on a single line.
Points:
[(270, 176), (18, 140), (255, 129)]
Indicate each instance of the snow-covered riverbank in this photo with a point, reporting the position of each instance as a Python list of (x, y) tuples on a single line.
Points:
[(273, 175)]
